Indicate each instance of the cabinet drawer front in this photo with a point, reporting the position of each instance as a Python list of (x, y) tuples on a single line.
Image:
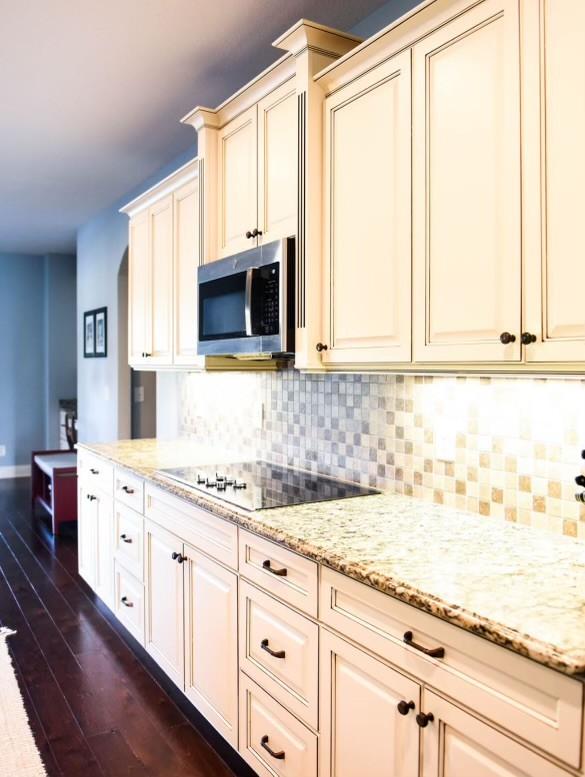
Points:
[(203, 530), (280, 571), (129, 489), (265, 724), (95, 472), (539, 705), (129, 602), (279, 650), (129, 540)]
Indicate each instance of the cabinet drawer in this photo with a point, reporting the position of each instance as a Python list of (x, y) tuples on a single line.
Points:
[(539, 705), (129, 602), (265, 724), (279, 649), (280, 571), (203, 530), (129, 540), (129, 489), (95, 472)]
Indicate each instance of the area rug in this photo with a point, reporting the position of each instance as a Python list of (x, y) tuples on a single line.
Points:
[(19, 756)]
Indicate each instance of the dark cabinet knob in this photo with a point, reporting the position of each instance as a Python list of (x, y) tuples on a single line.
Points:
[(256, 232), (423, 719), (506, 338), (126, 602), (404, 707), (249, 234), (580, 480), (127, 490), (527, 338), (178, 557), (126, 538), (321, 347), (91, 497), (94, 471)]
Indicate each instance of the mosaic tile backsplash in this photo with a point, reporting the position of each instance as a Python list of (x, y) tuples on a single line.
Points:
[(503, 447)]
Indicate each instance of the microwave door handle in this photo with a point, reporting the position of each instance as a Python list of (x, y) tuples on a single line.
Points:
[(248, 302)]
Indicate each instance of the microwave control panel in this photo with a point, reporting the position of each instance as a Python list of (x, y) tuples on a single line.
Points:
[(265, 304)]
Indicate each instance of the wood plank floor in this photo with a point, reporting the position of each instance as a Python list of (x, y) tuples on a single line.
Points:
[(98, 705)]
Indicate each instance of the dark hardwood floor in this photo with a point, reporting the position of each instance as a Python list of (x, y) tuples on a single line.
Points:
[(98, 705)]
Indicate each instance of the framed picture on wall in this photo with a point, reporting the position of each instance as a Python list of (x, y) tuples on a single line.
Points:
[(89, 334), (101, 332)]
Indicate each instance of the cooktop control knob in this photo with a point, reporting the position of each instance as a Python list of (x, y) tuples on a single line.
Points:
[(241, 484), (200, 480), (210, 483)]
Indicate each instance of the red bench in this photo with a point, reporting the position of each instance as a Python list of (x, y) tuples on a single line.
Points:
[(54, 485)]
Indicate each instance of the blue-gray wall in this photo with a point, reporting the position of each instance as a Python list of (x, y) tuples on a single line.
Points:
[(37, 349), (103, 385)]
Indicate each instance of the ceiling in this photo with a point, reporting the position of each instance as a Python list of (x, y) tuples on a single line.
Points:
[(92, 93)]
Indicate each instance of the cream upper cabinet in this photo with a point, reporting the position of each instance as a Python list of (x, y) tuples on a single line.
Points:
[(164, 600), (554, 171), (211, 641), (138, 288), (186, 256), (367, 284), (456, 744), (360, 718), (237, 183), (160, 321), (466, 188), (163, 259), (277, 163)]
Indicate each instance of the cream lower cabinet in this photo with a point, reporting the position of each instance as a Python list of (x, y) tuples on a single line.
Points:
[(367, 288), (165, 600), (211, 641), (95, 540), (362, 728), (456, 744), (191, 625)]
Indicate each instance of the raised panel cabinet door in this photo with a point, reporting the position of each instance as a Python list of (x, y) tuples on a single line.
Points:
[(138, 288), (466, 188), (277, 163), (164, 600), (160, 335), (554, 171), (87, 534), (362, 729), (104, 560), (186, 256), (211, 642), (237, 183), (367, 285), (456, 744)]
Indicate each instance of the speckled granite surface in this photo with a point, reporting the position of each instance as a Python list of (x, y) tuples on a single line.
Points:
[(518, 587)]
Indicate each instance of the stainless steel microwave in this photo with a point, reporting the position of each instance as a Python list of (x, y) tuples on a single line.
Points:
[(246, 303)]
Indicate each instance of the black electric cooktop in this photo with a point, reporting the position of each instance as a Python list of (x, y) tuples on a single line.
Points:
[(258, 485)]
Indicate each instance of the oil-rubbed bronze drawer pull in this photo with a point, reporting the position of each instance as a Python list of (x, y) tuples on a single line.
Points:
[(280, 754), (280, 572), (432, 652), (275, 653), (127, 489), (125, 602), (126, 538)]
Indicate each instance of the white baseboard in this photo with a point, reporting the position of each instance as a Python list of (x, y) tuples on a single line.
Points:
[(15, 471)]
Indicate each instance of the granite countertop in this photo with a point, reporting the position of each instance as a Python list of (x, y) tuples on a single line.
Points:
[(517, 587)]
